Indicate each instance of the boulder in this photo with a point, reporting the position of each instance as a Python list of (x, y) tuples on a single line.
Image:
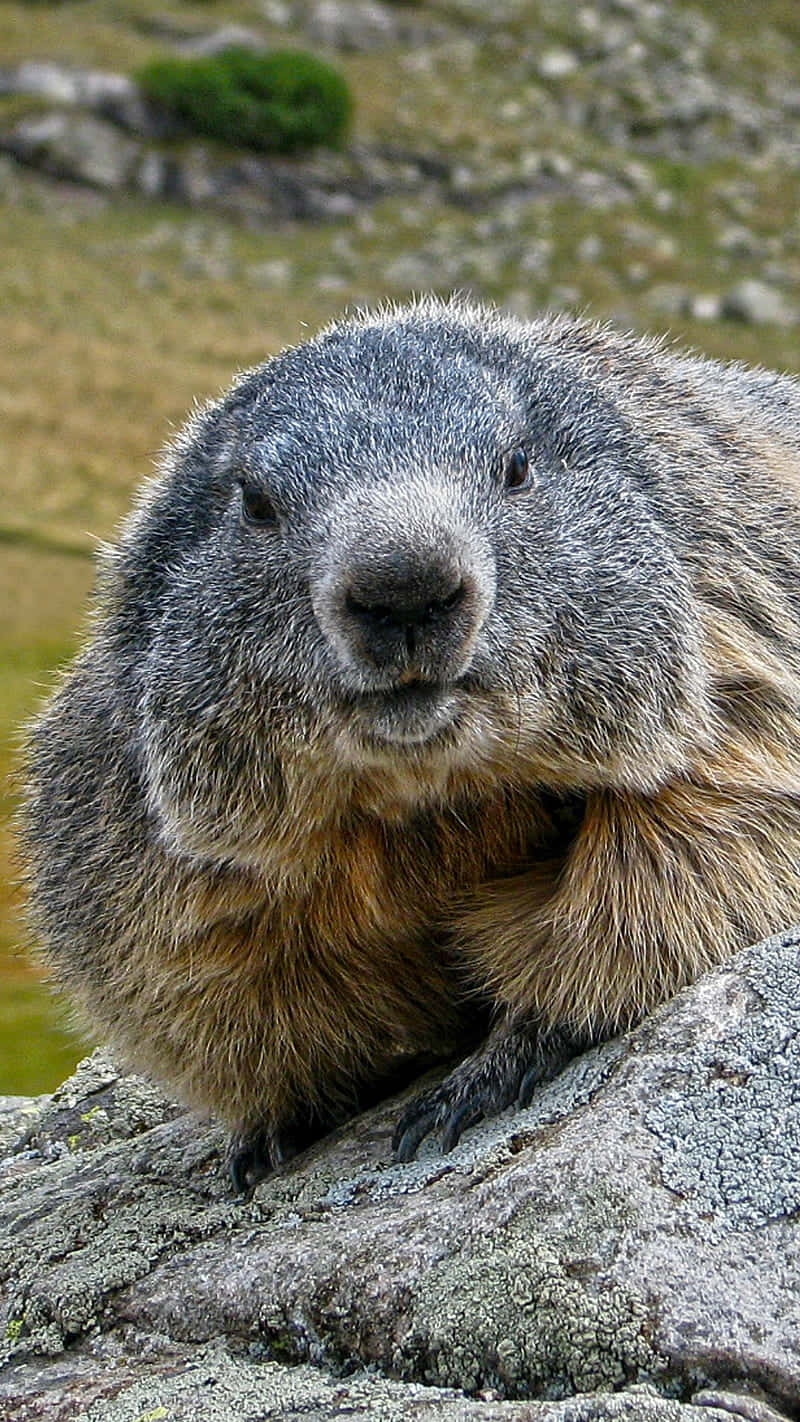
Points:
[(628, 1246), (75, 146), (113, 96)]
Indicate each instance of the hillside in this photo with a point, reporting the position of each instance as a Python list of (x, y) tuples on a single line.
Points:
[(634, 158)]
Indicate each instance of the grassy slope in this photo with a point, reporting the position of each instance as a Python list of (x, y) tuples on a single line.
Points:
[(108, 339)]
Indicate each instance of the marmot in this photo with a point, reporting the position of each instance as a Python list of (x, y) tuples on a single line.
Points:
[(448, 674)]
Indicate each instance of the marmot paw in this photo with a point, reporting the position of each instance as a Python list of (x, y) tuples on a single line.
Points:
[(507, 1069), (254, 1154)]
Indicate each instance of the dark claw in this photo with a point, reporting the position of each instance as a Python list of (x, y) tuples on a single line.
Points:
[(457, 1122), (513, 1061), (252, 1155), (411, 1131), (528, 1085), (552, 1055), (249, 1160)]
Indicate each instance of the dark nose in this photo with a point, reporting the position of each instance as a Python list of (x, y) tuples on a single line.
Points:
[(406, 613), (396, 610)]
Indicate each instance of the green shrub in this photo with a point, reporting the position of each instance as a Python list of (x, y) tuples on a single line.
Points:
[(282, 101)]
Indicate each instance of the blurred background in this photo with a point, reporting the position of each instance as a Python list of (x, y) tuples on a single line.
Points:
[(179, 198)]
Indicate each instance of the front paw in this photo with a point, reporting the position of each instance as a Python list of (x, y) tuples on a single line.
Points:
[(253, 1154), (507, 1069)]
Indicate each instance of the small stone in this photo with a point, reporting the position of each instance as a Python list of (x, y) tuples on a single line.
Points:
[(276, 12), (557, 63), (363, 26), (366, 224), (557, 165), (195, 181), (638, 176), (462, 179), (331, 281), (531, 164), (226, 37), (564, 296), (668, 298), (664, 248), (738, 241), (151, 178), (590, 248), (209, 266), (535, 259), (337, 205), (276, 272), (705, 306), (756, 303)]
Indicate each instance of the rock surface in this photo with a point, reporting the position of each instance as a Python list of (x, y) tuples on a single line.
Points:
[(629, 1246)]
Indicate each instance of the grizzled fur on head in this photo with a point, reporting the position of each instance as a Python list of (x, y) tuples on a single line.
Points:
[(340, 478)]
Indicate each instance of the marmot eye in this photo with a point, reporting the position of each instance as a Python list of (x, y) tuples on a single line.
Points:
[(256, 507), (518, 471)]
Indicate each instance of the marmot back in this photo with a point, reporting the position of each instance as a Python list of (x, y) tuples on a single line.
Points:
[(449, 674)]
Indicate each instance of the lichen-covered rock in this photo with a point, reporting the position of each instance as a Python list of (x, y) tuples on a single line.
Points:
[(631, 1238)]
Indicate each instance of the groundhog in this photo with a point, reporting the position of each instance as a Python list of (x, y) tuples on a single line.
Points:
[(442, 698)]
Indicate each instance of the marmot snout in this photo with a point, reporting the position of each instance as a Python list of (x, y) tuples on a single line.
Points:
[(405, 603), (450, 671)]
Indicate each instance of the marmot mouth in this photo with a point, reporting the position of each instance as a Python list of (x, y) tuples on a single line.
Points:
[(411, 715)]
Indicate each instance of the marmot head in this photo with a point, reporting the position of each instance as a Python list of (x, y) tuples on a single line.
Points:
[(424, 538)]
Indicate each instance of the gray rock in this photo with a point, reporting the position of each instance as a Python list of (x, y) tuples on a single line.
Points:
[(276, 272), (278, 12), (636, 1231), (364, 26), (210, 1384), (197, 180), (756, 303), (153, 176), (668, 298), (16, 1114), (113, 96), (75, 146), (738, 241), (226, 37), (705, 306), (558, 63), (43, 79)]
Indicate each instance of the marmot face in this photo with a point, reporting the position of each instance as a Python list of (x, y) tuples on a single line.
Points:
[(418, 541)]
